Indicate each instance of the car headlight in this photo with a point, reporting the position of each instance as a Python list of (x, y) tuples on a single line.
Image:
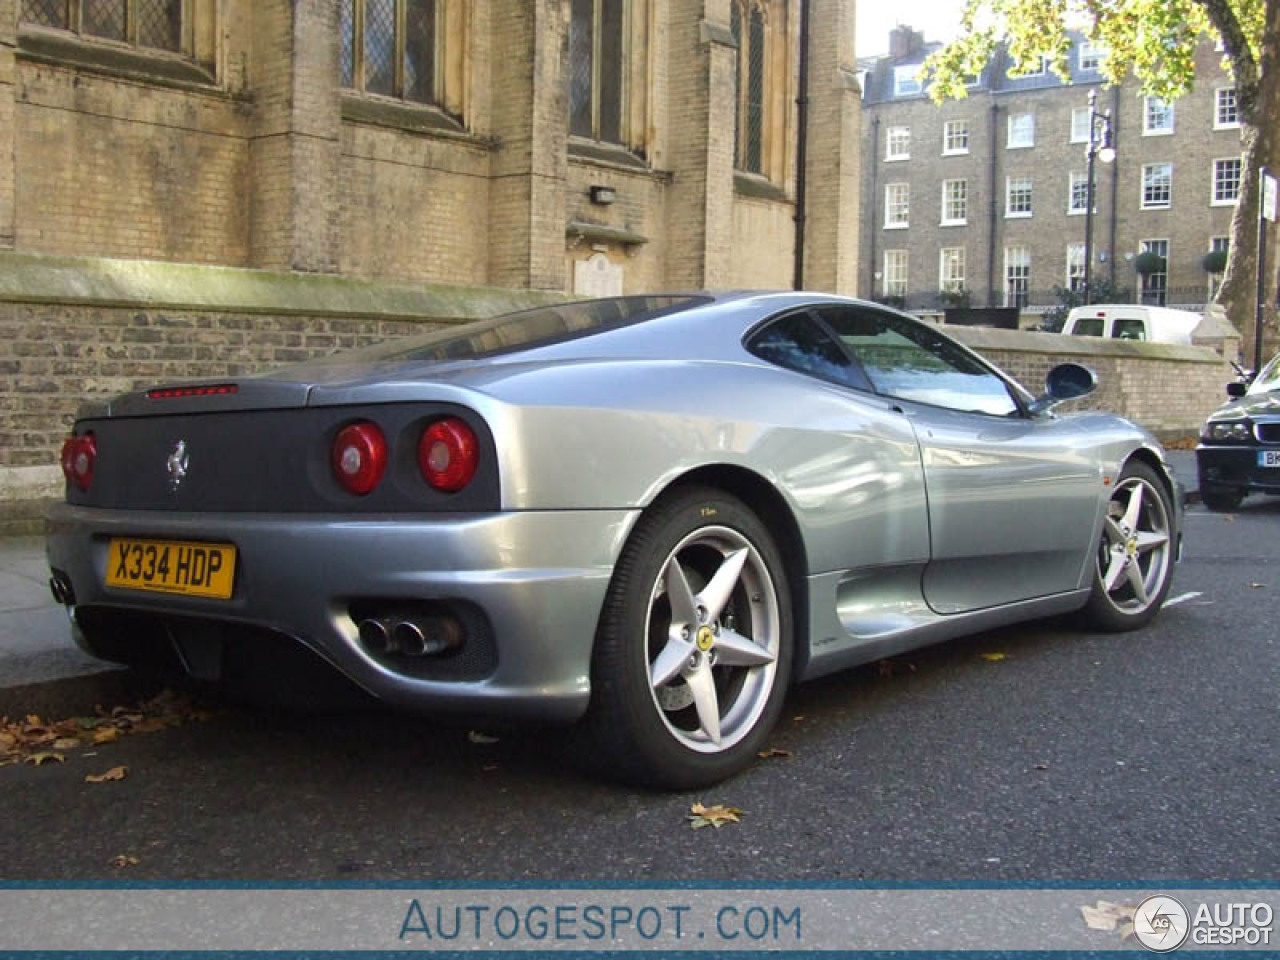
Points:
[(1230, 430)]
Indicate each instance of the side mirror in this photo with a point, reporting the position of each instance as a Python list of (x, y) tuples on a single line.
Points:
[(1236, 389), (1066, 381)]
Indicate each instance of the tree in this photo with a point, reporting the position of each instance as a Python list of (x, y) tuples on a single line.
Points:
[(1155, 41)]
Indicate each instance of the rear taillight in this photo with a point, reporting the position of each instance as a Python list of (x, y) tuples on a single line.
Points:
[(448, 454), (359, 457), (78, 456)]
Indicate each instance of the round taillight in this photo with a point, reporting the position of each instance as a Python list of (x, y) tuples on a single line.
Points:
[(359, 457), (448, 454), (78, 457)]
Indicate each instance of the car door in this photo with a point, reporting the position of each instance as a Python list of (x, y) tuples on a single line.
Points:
[(1012, 499)]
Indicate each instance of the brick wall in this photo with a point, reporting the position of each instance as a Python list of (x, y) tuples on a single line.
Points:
[(58, 357)]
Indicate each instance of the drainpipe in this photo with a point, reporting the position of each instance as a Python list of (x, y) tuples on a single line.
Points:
[(802, 137), (993, 136), (871, 205)]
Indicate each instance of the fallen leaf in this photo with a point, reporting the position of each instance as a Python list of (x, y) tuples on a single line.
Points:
[(1256, 586), (1042, 766), (66, 743), (717, 816), (773, 752), (1106, 915), (797, 719), (40, 759), (105, 735), (993, 657), (9, 761), (122, 860), (7, 742), (115, 773), (475, 736), (489, 767)]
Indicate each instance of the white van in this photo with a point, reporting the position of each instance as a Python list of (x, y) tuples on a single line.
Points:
[(1131, 321)]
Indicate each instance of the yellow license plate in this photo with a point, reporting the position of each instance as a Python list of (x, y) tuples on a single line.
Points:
[(172, 566)]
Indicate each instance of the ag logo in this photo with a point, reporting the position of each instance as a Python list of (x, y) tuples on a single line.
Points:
[(1161, 924)]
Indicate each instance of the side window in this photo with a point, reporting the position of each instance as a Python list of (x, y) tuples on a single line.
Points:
[(910, 361), (1128, 328), (1088, 327), (799, 343)]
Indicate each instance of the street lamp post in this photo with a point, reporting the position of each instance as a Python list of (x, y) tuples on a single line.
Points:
[(1100, 148)]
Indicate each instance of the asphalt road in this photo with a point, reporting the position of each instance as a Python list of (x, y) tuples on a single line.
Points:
[(1147, 756)]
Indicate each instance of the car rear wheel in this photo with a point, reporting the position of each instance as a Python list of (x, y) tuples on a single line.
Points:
[(1221, 499), (693, 652), (1134, 564)]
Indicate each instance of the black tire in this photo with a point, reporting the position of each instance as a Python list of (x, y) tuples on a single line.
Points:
[(637, 730), (1123, 607), (1220, 499)]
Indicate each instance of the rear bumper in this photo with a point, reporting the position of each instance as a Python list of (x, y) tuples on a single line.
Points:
[(1236, 467), (538, 577)]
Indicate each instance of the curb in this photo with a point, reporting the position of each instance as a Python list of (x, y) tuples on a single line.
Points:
[(77, 696)]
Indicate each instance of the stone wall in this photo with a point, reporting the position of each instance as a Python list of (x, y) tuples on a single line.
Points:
[(1167, 388)]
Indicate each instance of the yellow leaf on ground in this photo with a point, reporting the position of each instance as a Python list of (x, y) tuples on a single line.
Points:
[(66, 743), (1106, 915), (122, 860), (993, 657), (44, 756), (115, 773), (773, 752), (717, 816), (106, 735)]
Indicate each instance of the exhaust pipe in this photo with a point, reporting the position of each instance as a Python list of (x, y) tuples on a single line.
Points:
[(411, 641), (60, 587), (374, 636), (428, 636)]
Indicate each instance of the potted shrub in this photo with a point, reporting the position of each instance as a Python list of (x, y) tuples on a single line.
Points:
[(1215, 261), (1148, 262)]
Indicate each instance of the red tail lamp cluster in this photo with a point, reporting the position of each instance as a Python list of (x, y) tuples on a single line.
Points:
[(448, 455), (78, 456)]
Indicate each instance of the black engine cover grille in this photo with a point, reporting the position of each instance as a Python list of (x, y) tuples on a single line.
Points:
[(274, 461)]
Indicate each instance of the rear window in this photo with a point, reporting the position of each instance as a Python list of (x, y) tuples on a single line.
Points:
[(526, 330)]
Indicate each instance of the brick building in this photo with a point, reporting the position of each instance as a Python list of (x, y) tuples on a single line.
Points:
[(986, 197), (207, 187)]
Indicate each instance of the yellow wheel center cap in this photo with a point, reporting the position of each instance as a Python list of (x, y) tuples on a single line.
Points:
[(706, 637)]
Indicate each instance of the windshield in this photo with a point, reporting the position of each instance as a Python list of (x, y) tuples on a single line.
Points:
[(1268, 379), (525, 330)]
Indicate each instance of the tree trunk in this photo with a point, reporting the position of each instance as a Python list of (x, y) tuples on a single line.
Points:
[(1260, 139)]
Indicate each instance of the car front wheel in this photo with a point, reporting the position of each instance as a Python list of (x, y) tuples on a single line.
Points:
[(1133, 566), (693, 653)]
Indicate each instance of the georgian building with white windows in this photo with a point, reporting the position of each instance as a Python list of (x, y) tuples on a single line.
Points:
[(983, 200), (589, 145)]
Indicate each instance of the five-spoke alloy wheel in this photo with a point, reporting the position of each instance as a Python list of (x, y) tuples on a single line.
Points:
[(693, 654), (1135, 556)]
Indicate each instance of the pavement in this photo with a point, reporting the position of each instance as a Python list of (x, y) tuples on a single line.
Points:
[(35, 637)]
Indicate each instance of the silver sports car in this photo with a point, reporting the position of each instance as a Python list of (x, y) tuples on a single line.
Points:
[(646, 516)]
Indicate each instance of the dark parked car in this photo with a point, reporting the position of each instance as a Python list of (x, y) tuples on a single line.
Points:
[(1239, 451)]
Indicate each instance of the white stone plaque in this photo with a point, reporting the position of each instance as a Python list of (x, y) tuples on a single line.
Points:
[(597, 276)]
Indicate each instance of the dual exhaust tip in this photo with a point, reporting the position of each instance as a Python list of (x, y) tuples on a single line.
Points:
[(410, 636)]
